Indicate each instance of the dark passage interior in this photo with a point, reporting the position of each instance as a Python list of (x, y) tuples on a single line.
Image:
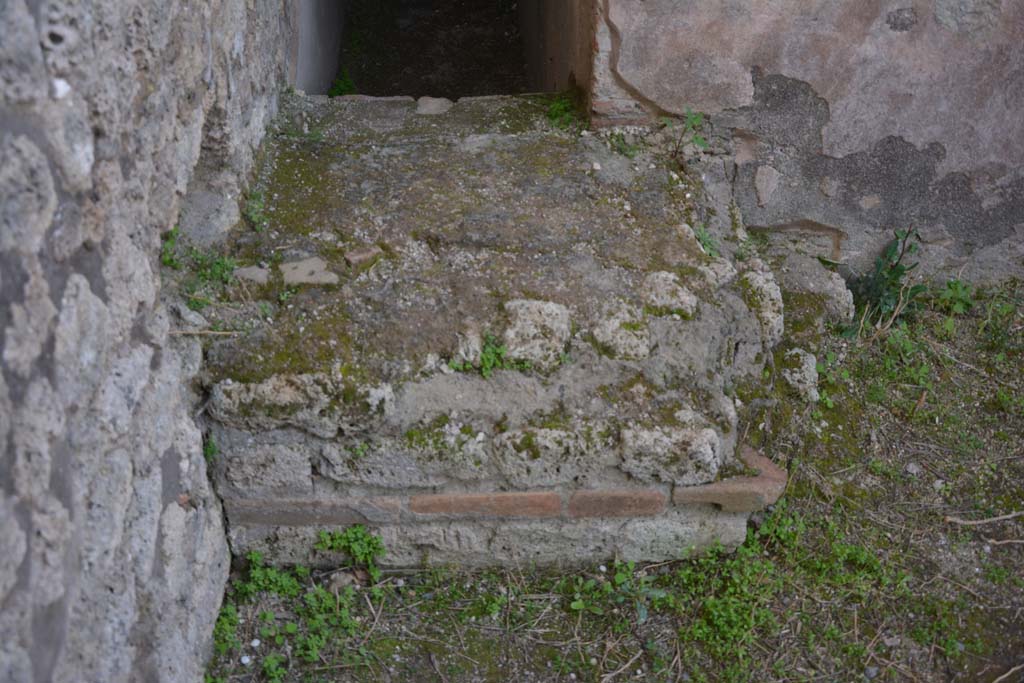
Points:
[(443, 48)]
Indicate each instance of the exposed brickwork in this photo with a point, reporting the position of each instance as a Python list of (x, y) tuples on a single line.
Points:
[(489, 504), (617, 503), (740, 494), (382, 510)]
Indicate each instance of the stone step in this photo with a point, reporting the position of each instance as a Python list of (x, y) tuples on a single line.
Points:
[(470, 322)]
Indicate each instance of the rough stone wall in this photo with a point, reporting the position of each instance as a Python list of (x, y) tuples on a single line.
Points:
[(112, 553), (856, 117)]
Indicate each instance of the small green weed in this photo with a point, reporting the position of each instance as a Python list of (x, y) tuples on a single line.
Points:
[(225, 630), (956, 297), (169, 249), (885, 295), (255, 211), (210, 273), (212, 269), (620, 145), (210, 449), (264, 579), (707, 241), (997, 327), (687, 131), (273, 668), (563, 112), (342, 85), (493, 356), (360, 545)]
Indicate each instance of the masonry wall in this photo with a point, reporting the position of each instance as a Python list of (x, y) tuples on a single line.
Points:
[(848, 119), (112, 552), (321, 23)]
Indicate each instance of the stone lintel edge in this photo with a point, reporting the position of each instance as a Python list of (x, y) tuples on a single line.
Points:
[(733, 494)]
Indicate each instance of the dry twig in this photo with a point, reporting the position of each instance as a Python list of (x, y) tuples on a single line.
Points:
[(979, 522)]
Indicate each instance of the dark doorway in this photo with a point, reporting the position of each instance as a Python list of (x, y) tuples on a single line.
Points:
[(440, 48)]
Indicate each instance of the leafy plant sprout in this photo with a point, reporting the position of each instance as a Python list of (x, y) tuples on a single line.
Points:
[(687, 131), (885, 294)]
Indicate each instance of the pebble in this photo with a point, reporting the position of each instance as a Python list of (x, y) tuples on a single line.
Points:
[(937, 485), (246, 660), (602, 569), (596, 166), (400, 582), (913, 469), (871, 672), (255, 642), (340, 580), (61, 88)]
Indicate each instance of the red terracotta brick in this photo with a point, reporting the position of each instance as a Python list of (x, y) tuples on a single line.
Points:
[(740, 494), (617, 503), (287, 512), (488, 504)]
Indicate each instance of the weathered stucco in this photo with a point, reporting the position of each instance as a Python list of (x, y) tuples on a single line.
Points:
[(112, 551), (923, 70), (902, 113)]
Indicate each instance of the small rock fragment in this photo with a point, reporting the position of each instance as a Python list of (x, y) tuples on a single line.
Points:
[(764, 297), (341, 580), (664, 294), (623, 331), (913, 469), (310, 271), (537, 333), (253, 274), (683, 457), (431, 106), (363, 256), (803, 375)]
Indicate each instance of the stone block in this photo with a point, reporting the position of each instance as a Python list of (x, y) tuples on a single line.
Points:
[(537, 333), (310, 271)]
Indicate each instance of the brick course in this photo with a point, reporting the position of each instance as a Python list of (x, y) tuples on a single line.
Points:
[(283, 512), (488, 504), (617, 503), (740, 494)]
